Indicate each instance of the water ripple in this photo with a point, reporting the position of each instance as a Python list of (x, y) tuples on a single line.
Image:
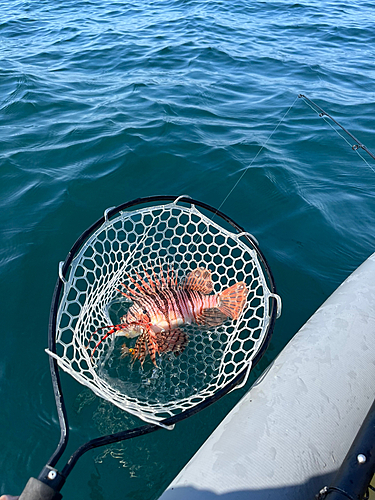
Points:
[(103, 102)]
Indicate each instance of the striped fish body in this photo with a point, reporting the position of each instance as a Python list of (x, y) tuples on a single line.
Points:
[(161, 306), (169, 308)]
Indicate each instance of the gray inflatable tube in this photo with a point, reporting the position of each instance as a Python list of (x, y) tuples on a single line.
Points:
[(290, 433)]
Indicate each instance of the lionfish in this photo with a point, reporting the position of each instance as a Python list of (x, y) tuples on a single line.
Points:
[(161, 305)]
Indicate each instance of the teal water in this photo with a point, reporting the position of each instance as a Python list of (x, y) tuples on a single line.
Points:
[(105, 101)]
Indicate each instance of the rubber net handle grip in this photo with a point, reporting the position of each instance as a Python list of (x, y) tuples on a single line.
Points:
[(37, 490)]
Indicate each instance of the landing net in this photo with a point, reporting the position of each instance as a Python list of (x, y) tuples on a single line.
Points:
[(133, 244)]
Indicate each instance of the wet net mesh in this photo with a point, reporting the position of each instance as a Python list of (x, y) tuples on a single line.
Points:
[(172, 236)]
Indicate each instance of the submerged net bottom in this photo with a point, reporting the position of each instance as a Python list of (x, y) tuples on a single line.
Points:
[(133, 245)]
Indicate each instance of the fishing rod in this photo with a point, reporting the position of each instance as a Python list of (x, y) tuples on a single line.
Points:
[(358, 144)]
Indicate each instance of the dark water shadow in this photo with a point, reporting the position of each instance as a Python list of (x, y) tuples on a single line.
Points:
[(303, 491)]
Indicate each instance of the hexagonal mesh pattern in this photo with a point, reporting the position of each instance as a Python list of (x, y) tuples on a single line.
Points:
[(181, 238)]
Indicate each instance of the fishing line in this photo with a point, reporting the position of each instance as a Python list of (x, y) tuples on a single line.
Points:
[(258, 153), (217, 211)]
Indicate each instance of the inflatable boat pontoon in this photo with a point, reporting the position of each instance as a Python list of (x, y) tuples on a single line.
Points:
[(290, 436)]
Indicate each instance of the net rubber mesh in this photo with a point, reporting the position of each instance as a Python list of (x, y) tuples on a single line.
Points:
[(155, 239)]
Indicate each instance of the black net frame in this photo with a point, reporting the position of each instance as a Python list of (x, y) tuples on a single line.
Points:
[(49, 474)]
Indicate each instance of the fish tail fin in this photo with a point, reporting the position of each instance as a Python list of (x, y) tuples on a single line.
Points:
[(232, 300)]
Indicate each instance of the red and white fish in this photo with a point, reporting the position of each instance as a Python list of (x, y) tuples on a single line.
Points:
[(161, 306)]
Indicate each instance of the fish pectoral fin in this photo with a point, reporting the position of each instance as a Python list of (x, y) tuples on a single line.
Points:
[(152, 347), (140, 349), (172, 341), (211, 317), (199, 280)]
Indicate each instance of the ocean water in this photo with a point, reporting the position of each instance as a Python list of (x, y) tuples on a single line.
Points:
[(102, 102)]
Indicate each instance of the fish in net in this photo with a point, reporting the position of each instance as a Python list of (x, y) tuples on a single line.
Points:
[(160, 306)]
